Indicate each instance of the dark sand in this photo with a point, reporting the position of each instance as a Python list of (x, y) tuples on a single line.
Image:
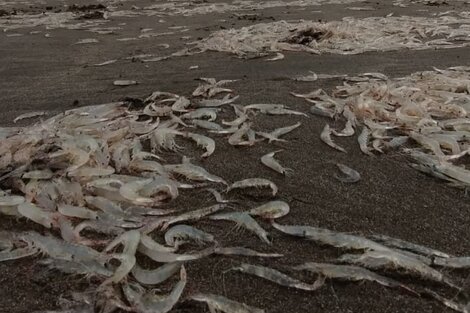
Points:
[(38, 73)]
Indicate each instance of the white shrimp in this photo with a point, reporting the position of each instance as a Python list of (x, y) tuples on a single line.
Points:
[(352, 176), (220, 303), (271, 210), (269, 161), (130, 192), (207, 143), (176, 235), (254, 182), (275, 134), (245, 220), (347, 131), (325, 136), (36, 214)]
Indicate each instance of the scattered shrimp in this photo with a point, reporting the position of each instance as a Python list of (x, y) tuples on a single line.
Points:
[(245, 220), (405, 245), (275, 134), (271, 210), (156, 276), (151, 302), (254, 182), (220, 303), (177, 235), (207, 143), (269, 161), (351, 273), (245, 252), (328, 237), (352, 176), (276, 277), (396, 260), (325, 136)]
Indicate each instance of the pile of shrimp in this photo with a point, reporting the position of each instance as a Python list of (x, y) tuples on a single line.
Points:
[(426, 115), (348, 36), (97, 176)]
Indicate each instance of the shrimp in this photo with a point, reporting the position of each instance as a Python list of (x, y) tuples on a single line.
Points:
[(263, 107), (207, 125), (363, 140), (153, 110), (208, 113), (11, 200), (218, 196), (161, 184), (36, 214), (452, 262), (147, 166), (169, 257), (276, 277), (269, 161), (254, 182), (320, 110), (352, 176), (164, 138), (156, 276), (271, 210), (325, 136), (176, 235), (207, 143), (428, 143), (151, 302), (405, 245), (130, 192), (220, 303), (194, 172), (85, 171), (88, 268), (218, 102), (396, 260), (242, 117), (245, 220), (331, 238), (8, 255), (351, 273), (180, 105), (39, 174), (458, 307), (195, 215), (236, 139), (59, 249), (275, 134), (284, 111), (348, 130), (130, 240), (245, 252)]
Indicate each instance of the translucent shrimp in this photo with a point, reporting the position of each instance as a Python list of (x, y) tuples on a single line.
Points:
[(245, 220), (254, 182), (220, 303), (271, 210), (207, 143), (269, 161), (325, 136)]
